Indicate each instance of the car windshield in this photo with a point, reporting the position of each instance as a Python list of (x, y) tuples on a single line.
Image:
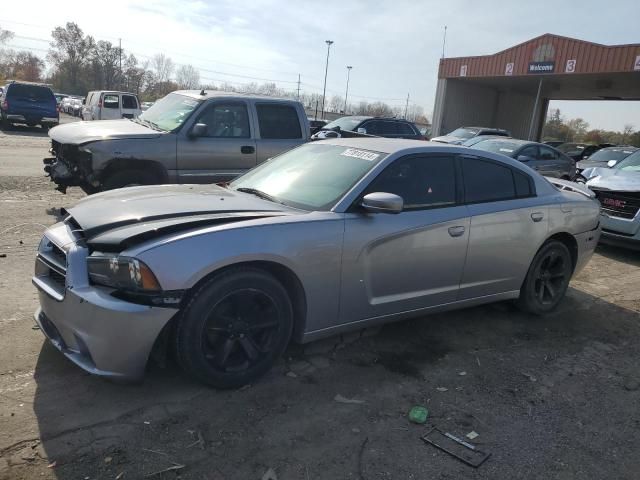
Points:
[(170, 112), (498, 146), (473, 140), (607, 154), (570, 147), (313, 176), (345, 123), (464, 132), (630, 164)]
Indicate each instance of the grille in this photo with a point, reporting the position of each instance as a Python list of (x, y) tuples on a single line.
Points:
[(52, 261), (619, 204)]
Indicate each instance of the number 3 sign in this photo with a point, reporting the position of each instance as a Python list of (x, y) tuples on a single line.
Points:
[(571, 66)]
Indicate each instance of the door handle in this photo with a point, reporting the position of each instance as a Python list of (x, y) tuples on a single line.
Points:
[(537, 216), (247, 149), (456, 231)]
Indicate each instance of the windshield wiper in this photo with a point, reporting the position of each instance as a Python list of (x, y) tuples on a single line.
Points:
[(258, 193), (147, 123)]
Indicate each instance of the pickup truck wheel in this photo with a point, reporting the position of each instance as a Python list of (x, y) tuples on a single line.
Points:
[(547, 279), (129, 178), (234, 327)]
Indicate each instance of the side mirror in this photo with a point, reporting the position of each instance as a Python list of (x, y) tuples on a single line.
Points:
[(382, 202), (362, 130), (198, 130), (524, 158), (612, 163)]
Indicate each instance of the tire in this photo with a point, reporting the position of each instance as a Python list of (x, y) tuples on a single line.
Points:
[(234, 327), (4, 123), (547, 279), (129, 178), (580, 179)]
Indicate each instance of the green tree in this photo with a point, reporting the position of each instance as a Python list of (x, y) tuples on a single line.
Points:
[(69, 53)]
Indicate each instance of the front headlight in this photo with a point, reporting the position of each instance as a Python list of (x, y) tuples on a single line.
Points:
[(122, 273)]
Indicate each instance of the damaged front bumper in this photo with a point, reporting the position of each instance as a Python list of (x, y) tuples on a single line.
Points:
[(100, 333), (69, 167)]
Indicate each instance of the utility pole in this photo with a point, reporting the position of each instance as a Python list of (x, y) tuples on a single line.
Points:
[(346, 94), (298, 87), (406, 107), (444, 40), (326, 69), (120, 54)]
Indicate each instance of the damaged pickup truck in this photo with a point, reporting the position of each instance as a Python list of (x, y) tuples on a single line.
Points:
[(186, 137)]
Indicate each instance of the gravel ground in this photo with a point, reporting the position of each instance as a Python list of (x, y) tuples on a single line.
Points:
[(551, 398)]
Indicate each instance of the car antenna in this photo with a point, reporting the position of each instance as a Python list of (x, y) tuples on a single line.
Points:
[(202, 92)]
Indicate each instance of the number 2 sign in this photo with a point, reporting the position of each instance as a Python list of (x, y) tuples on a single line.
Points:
[(508, 69), (636, 66), (571, 66)]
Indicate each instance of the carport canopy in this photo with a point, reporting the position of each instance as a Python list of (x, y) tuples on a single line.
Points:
[(512, 88)]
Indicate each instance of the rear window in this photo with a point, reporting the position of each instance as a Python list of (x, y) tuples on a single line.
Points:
[(278, 122), (405, 129), (129, 102), (30, 92), (487, 181), (111, 101)]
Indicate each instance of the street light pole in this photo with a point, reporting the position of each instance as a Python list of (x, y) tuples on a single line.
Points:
[(346, 95), (326, 69)]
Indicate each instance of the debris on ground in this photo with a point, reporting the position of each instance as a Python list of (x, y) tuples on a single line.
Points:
[(472, 434), (442, 389), (3, 255), (443, 441), (292, 374), (631, 385), (270, 475), (108, 459), (418, 414), (52, 464), (462, 374), (529, 376), (340, 399)]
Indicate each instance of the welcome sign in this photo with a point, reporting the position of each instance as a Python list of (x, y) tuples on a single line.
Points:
[(541, 67)]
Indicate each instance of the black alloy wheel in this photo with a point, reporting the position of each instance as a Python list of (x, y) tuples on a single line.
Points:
[(547, 279), (234, 326)]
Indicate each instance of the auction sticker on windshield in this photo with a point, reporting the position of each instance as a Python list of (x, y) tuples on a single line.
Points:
[(508, 150), (365, 155)]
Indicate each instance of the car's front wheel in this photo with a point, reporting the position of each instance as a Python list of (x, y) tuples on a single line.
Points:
[(234, 327), (547, 279)]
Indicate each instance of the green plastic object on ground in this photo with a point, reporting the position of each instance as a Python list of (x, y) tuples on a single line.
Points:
[(418, 414)]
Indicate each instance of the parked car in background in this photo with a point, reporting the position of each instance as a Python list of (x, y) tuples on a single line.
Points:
[(60, 97), (75, 108), (106, 105), (579, 151), (145, 105), (64, 104), (554, 143), (473, 140), (329, 237), (315, 125), (544, 159), (461, 134), (375, 126), (28, 103), (618, 190), (186, 137), (605, 155)]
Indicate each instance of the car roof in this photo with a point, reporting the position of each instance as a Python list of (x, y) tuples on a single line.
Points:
[(387, 145), (517, 141), (217, 93), (495, 129), (619, 148)]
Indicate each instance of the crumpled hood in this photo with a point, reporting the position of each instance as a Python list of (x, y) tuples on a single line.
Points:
[(448, 139), (78, 133), (612, 179), (584, 164), (130, 215)]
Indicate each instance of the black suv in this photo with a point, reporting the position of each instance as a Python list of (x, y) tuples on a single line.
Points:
[(29, 103), (376, 126)]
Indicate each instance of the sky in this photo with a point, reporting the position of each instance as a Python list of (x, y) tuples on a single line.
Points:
[(394, 47)]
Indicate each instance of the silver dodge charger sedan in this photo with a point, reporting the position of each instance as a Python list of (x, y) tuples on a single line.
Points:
[(331, 236)]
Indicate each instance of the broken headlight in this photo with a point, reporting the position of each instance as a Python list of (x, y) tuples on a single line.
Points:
[(122, 273)]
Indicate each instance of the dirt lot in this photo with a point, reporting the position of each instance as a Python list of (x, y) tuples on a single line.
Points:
[(553, 397)]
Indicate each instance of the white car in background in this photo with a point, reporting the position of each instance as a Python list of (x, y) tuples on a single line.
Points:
[(108, 105)]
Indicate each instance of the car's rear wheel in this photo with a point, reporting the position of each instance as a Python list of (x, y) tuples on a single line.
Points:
[(234, 327), (547, 279), (129, 178)]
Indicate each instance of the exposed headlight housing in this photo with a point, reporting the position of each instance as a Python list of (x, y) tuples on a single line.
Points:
[(122, 273)]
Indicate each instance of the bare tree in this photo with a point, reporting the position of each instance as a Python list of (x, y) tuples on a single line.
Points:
[(162, 67), (188, 77), (5, 36), (336, 104), (627, 131)]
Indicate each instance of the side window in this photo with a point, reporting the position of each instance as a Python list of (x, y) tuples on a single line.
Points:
[(405, 129), (389, 128), (547, 154), (422, 182), (530, 151), (226, 121), (372, 127), (129, 102), (486, 181), (111, 101), (523, 184), (278, 121)]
